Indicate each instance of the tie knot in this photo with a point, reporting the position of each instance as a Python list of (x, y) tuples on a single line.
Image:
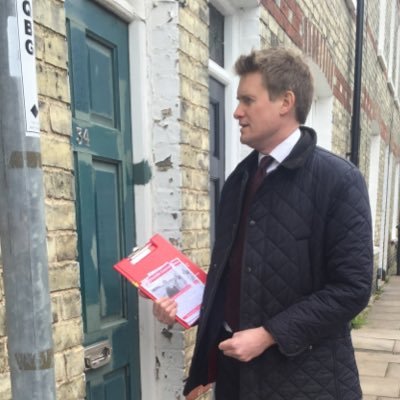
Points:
[(264, 163)]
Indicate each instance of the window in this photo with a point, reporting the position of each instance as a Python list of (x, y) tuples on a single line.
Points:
[(217, 147), (216, 115), (392, 44), (216, 36), (234, 30), (388, 40)]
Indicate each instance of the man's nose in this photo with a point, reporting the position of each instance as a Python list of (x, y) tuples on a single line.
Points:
[(238, 113)]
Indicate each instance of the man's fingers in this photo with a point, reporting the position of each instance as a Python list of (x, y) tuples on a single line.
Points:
[(225, 345), (165, 310)]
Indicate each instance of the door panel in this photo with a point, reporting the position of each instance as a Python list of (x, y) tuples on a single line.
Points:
[(99, 75)]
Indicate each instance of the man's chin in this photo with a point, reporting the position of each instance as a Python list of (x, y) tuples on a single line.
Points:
[(244, 140)]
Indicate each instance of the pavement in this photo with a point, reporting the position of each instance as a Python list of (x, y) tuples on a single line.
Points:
[(377, 345)]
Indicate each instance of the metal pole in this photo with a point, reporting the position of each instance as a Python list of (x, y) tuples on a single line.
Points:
[(22, 222), (355, 120)]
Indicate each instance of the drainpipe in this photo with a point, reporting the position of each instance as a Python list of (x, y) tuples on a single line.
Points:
[(22, 222), (355, 120)]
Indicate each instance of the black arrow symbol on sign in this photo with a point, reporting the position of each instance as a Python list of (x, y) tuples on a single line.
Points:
[(34, 111)]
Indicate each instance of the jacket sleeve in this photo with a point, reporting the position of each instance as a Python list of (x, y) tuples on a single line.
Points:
[(348, 255)]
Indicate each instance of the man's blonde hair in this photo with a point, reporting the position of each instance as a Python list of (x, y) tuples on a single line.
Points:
[(281, 70)]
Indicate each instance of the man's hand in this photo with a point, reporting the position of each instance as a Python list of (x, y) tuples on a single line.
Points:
[(165, 310), (248, 344)]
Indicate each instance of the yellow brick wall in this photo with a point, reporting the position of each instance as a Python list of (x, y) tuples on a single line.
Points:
[(193, 75), (55, 120), (194, 124), (54, 97)]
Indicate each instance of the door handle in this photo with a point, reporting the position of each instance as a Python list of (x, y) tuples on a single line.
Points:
[(97, 355)]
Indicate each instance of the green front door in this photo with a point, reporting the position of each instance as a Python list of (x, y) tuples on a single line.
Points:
[(101, 137)]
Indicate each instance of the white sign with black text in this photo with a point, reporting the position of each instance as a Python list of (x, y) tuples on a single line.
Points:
[(28, 63)]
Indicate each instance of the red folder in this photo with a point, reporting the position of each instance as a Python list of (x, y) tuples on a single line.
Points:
[(158, 269)]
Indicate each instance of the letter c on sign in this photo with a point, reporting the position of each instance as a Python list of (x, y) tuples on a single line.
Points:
[(26, 6)]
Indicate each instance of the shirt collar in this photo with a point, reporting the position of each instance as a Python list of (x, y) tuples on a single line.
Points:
[(280, 152)]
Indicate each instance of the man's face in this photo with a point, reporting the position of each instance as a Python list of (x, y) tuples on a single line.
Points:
[(259, 118)]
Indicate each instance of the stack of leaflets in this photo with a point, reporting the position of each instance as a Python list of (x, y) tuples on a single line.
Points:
[(159, 270)]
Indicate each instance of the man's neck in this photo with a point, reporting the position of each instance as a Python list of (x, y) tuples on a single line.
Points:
[(278, 138)]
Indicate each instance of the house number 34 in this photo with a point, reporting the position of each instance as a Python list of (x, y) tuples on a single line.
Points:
[(82, 136)]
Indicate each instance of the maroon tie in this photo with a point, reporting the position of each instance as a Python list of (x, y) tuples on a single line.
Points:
[(258, 177), (232, 296)]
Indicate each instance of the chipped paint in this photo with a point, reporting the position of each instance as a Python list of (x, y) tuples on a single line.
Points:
[(165, 164)]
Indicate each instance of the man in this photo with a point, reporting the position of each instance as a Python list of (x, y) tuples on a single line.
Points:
[(292, 261)]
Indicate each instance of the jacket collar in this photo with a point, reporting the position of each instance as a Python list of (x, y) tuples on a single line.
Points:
[(296, 158), (302, 150)]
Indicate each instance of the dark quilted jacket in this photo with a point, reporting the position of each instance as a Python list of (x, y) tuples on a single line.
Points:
[(307, 272)]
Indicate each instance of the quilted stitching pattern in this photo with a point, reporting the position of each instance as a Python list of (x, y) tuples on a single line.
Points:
[(307, 272)]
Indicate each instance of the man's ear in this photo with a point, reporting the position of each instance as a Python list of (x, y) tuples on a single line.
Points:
[(288, 102)]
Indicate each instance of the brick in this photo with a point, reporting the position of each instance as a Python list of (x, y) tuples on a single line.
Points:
[(194, 92), (74, 361), (60, 215), (53, 83), (1, 282), (60, 119), (4, 368), (191, 220), (59, 368), (63, 277), (39, 41), (44, 115), (196, 137), (66, 246), (188, 238), (73, 338), (56, 50), (5, 386), (50, 14), (51, 249), (192, 69), (203, 240), (73, 390), (193, 179), (55, 152), (59, 184), (66, 305), (2, 319)]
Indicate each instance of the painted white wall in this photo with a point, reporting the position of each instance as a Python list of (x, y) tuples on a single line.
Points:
[(373, 180), (385, 221), (162, 377), (141, 142), (395, 215), (320, 115)]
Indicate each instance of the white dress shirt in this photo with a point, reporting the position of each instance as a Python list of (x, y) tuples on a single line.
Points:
[(280, 152)]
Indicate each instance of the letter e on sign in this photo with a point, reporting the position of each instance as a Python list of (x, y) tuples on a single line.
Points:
[(28, 65)]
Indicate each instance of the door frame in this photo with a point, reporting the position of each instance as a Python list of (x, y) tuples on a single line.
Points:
[(133, 13)]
